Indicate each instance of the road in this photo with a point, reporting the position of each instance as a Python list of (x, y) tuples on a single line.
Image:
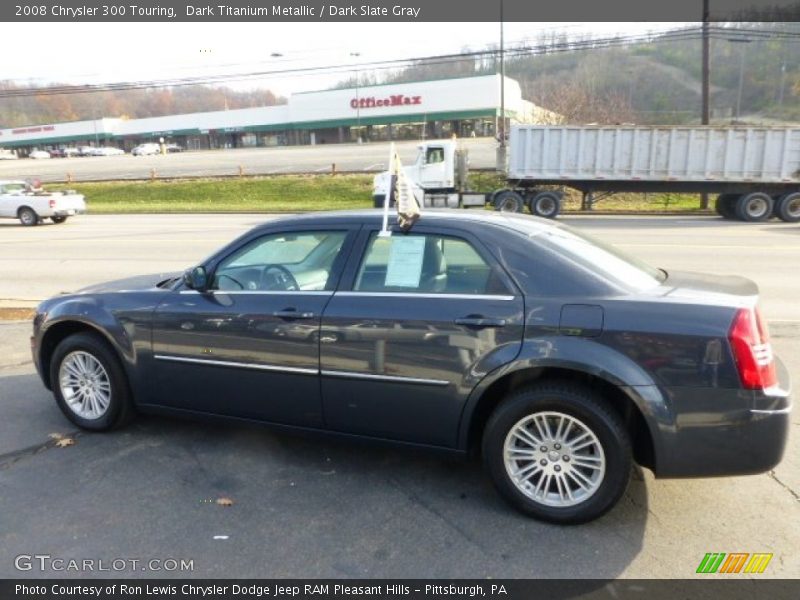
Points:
[(38, 262), (319, 508), (254, 161)]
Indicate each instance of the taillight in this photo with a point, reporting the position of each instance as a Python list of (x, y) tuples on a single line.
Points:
[(749, 338), (52, 203)]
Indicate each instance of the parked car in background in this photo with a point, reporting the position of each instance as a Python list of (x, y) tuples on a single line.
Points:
[(174, 148), (39, 154), (7, 154), (56, 153), (107, 151), (85, 150), (146, 150), (30, 203), (68, 152), (560, 359)]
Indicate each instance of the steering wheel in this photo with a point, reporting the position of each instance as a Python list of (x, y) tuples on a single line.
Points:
[(278, 277)]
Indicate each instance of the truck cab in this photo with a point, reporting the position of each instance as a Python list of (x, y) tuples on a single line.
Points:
[(433, 174)]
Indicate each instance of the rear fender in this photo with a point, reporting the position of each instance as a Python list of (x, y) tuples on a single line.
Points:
[(586, 356)]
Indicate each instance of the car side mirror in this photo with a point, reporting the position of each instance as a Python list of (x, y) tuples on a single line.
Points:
[(196, 279)]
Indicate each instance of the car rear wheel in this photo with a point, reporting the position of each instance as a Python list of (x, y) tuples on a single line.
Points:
[(58, 220), (89, 383), (788, 208), (556, 452), (28, 217)]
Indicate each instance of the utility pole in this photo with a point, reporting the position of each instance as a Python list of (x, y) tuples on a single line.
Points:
[(501, 130), (706, 116), (357, 55)]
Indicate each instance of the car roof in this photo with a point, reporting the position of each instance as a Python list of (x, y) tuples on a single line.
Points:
[(440, 217)]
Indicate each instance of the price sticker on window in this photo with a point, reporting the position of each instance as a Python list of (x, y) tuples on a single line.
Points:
[(405, 261)]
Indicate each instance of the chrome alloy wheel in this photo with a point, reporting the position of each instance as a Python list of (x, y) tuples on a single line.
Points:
[(554, 459), (85, 385)]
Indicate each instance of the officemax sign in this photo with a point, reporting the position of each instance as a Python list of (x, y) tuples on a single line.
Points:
[(393, 100)]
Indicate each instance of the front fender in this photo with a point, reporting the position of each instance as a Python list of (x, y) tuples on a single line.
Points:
[(122, 320), (92, 313)]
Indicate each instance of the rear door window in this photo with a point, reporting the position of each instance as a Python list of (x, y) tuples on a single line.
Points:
[(426, 263)]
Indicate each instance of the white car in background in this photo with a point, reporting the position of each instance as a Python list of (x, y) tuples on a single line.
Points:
[(7, 155), (146, 150), (85, 150), (107, 151), (30, 203), (68, 152), (39, 154)]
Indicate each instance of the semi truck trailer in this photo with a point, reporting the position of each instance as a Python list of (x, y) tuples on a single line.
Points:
[(753, 171)]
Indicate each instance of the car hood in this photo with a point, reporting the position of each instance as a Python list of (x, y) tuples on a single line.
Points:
[(727, 290), (131, 284)]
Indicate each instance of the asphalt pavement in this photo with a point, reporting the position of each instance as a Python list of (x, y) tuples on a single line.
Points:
[(313, 507)]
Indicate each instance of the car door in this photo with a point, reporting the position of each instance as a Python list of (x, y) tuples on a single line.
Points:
[(418, 320), (249, 346), (8, 201)]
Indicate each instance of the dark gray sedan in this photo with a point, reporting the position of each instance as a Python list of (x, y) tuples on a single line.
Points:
[(560, 359)]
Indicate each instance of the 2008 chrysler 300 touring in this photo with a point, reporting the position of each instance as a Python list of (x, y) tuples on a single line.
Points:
[(561, 359)]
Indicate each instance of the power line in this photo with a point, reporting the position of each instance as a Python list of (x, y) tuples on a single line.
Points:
[(520, 51)]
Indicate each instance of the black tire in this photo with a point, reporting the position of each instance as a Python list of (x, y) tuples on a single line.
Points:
[(58, 220), (546, 205), (754, 207), (508, 201), (120, 406), (593, 413), (725, 205), (787, 208), (27, 216)]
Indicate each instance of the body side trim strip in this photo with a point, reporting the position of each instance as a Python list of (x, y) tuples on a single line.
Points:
[(374, 377), (241, 365)]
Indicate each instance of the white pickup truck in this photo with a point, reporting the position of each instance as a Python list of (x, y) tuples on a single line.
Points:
[(30, 204)]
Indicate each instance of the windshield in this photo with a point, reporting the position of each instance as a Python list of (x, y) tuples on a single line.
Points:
[(593, 255)]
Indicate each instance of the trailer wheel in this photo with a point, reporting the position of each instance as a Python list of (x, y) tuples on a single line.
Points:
[(754, 207), (545, 204), (725, 205), (508, 201), (788, 207)]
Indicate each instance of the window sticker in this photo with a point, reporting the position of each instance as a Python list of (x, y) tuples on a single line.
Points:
[(405, 261)]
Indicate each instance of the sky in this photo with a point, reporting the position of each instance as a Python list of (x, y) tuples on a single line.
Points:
[(91, 53)]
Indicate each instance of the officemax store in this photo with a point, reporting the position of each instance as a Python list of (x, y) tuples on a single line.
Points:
[(465, 107)]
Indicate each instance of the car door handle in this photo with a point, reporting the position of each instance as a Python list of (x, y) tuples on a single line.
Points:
[(291, 313), (480, 322)]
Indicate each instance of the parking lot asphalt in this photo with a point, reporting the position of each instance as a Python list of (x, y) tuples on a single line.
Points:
[(372, 156), (313, 507)]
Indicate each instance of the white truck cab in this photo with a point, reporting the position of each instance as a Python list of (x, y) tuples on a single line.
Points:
[(438, 177)]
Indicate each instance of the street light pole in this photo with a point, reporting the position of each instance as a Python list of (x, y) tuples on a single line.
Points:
[(358, 105)]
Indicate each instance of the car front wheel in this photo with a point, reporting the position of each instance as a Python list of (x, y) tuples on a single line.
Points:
[(89, 383), (557, 452)]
